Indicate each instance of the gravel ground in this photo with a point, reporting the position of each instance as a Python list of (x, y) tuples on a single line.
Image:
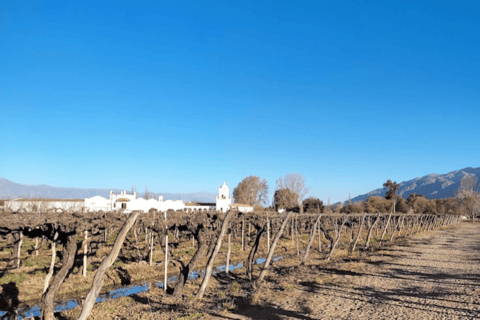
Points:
[(431, 276)]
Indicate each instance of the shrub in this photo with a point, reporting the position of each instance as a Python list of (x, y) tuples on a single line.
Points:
[(235, 287)]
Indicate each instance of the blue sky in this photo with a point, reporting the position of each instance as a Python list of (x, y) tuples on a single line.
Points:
[(180, 96)]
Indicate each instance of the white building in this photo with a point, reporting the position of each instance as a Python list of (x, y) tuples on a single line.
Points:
[(130, 202), (44, 205), (126, 203), (242, 207), (224, 201)]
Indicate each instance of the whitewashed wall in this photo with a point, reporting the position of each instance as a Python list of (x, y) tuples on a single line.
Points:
[(44, 205)]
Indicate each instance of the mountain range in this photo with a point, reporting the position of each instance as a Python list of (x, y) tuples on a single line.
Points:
[(432, 186), (12, 190)]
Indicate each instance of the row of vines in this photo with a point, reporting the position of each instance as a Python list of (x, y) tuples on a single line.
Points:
[(135, 237)]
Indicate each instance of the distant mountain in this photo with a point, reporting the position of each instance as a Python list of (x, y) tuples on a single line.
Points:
[(10, 189), (432, 185)]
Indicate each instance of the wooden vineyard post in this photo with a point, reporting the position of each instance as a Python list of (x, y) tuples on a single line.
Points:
[(227, 265), (386, 226), (296, 236), (352, 233), (151, 247), (436, 222), (270, 253), (425, 224), (408, 223), (431, 225), (424, 227), (407, 226), (268, 234), (165, 280), (419, 225), (292, 233), (249, 233), (253, 250), (369, 236), (85, 255), (335, 228), (310, 241), (52, 266), (243, 234), (338, 238), (397, 227), (19, 249), (359, 233), (319, 239), (136, 242), (414, 225), (36, 246), (402, 225), (428, 223), (445, 221), (211, 260), (106, 263), (68, 258)]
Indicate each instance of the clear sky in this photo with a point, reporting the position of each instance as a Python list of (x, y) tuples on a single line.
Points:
[(180, 96)]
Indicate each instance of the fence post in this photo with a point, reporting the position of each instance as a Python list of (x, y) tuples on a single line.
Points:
[(243, 234), (165, 282), (268, 234), (359, 233), (227, 265), (85, 255)]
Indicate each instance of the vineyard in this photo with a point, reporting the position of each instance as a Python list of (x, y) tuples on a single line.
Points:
[(47, 257)]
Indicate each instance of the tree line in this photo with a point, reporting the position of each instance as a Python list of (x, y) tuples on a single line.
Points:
[(291, 190)]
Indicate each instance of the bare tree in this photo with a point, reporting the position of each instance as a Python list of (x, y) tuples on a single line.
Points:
[(295, 183), (468, 197), (252, 190), (147, 194)]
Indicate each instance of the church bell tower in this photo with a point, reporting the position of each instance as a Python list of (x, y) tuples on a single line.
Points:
[(223, 199)]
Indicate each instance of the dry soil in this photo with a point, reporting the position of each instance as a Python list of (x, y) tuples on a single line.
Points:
[(430, 276)]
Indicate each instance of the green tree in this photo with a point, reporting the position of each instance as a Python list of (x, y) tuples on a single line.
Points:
[(392, 189), (391, 192)]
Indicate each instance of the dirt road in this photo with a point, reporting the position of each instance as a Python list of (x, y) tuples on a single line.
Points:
[(434, 276)]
